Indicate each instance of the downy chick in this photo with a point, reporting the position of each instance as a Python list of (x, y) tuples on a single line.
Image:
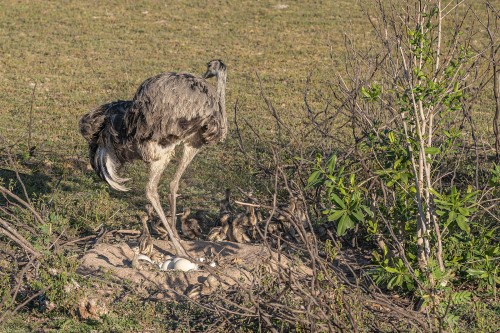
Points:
[(253, 221), (238, 232), (145, 240), (204, 289), (190, 226), (225, 204), (220, 233)]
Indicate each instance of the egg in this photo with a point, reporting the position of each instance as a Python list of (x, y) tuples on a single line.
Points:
[(184, 265)]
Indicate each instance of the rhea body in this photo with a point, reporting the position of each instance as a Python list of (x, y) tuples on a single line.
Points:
[(167, 110)]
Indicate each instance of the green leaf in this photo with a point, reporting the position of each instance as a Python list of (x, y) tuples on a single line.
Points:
[(391, 282), (464, 211), (336, 215), (359, 216), (399, 280), (475, 272), (470, 194), (390, 135), (461, 297), (435, 193), (451, 217), (338, 200), (367, 210), (391, 270), (314, 178), (365, 93), (331, 163), (431, 150), (404, 178), (396, 163), (349, 222), (344, 223), (462, 223)]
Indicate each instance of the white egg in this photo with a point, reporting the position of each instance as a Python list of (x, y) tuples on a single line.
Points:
[(184, 265)]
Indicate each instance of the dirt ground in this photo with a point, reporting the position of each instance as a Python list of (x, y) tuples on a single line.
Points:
[(234, 263)]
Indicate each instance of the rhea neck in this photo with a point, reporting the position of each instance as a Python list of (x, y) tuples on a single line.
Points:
[(221, 88), (221, 95), (185, 214)]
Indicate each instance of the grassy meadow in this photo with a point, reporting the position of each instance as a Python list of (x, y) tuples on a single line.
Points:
[(60, 59)]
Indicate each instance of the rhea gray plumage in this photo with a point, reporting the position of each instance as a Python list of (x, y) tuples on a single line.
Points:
[(167, 110)]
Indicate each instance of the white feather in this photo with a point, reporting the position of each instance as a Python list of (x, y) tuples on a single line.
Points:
[(111, 167), (108, 168)]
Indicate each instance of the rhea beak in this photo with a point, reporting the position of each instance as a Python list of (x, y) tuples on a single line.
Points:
[(208, 75)]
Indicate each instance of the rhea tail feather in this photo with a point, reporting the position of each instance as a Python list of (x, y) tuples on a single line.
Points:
[(106, 165), (103, 128)]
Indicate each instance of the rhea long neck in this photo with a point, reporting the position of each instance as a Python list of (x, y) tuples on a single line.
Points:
[(221, 95)]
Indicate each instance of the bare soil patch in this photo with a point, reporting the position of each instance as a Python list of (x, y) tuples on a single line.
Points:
[(234, 263)]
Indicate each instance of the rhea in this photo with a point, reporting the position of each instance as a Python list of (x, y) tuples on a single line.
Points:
[(167, 110), (190, 226)]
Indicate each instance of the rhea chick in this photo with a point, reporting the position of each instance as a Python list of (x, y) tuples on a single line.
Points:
[(220, 233), (238, 232), (145, 241), (225, 204), (205, 289), (190, 226)]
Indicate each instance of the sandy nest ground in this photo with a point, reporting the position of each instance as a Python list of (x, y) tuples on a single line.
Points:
[(234, 263)]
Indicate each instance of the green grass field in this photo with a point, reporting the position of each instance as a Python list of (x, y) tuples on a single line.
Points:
[(60, 59)]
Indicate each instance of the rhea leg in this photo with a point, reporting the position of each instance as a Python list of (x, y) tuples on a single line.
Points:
[(187, 157), (156, 170)]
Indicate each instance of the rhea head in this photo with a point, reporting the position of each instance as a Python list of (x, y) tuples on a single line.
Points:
[(213, 68)]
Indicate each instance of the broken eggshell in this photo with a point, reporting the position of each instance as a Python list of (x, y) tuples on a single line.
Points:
[(166, 265), (145, 258)]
